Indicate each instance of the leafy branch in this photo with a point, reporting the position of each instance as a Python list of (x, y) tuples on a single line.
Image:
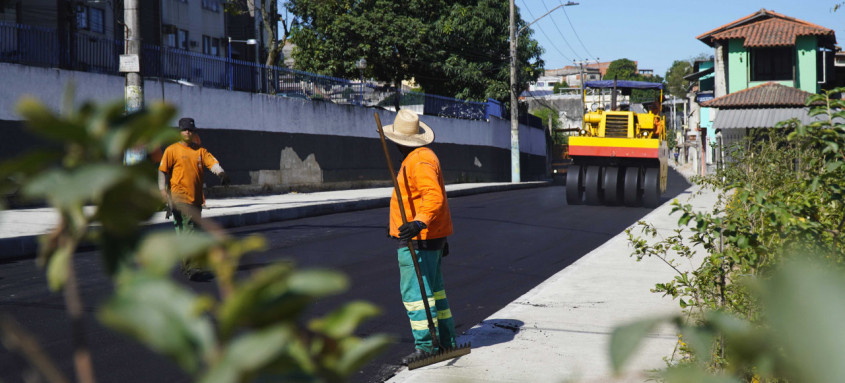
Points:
[(252, 330), (779, 209)]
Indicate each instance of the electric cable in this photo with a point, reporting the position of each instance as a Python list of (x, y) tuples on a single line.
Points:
[(576, 33), (559, 31), (544, 33)]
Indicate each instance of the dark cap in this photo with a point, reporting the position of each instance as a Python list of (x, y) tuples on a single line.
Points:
[(187, 123)]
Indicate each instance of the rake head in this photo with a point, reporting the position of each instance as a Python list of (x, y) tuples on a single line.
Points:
[(439, 356)]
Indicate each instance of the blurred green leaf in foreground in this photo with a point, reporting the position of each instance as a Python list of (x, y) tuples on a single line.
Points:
[(252, 329)]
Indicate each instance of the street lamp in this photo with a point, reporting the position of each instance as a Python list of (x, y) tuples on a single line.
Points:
[(247, 42), (514, 35), (361, 64)]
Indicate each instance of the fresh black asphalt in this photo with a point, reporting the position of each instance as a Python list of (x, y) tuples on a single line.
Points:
[(505, 243)]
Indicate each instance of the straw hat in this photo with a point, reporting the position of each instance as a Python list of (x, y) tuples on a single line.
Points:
[(408, 130)]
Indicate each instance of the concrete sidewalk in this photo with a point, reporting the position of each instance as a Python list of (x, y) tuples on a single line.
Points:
[(560, 330), (20, 228)]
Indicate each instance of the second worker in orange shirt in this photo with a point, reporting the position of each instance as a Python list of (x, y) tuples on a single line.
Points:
[(180, 182)]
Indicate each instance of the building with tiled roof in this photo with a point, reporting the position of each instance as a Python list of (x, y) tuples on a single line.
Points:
[(765, 28), (768, 46), (768, 95), (762, 106), (764, 67)]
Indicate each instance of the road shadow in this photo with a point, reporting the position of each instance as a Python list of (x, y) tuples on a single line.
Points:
[(676, 185), (491, 332)]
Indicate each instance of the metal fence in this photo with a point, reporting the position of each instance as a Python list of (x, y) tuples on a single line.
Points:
[(40, 46)]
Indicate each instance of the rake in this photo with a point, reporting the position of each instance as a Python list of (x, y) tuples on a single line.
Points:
[(442, 353)]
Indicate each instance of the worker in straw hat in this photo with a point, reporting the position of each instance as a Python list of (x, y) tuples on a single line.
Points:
[(429, 223)]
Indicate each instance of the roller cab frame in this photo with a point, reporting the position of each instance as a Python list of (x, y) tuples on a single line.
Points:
[(620, 156)]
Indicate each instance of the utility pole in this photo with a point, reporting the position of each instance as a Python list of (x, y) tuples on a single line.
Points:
[(514, 37), (674, 114), (130, 64), (581, 76), (257, 5), (514, 106), (581, 69)]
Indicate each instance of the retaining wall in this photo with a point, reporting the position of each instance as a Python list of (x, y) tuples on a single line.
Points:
[(271, 142)]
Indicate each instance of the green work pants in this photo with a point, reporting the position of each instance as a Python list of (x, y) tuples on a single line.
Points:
[(184, 223), (435, 294)]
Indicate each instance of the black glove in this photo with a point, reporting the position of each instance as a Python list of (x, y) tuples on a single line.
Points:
[(224, 179), (410, 230)]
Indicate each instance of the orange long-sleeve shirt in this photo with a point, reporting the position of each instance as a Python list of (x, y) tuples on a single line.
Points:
[(421, 182)]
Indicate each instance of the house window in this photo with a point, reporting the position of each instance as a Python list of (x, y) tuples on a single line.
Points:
[(82, 17), (168, 36), (215, 45), (771, 64), (206, 45), (182, 39), (539, 84), (96, 20), (211, 5)]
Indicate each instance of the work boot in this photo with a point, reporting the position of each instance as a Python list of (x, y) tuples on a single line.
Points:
[(417, 354)]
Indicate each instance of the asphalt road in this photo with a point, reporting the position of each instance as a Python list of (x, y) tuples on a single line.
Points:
[(504, 244)]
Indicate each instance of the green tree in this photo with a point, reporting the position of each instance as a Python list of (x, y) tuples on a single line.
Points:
[(457, 49), (622, 69), (677, 85), (474, 60), (269, 14), (545, 114), (559, 86), (275, 38)]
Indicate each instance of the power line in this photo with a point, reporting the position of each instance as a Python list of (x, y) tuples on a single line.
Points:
[(576, 33), (559, 31), (544, 33)]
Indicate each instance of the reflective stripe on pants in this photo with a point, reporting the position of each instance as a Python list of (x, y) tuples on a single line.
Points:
[(409, 287)]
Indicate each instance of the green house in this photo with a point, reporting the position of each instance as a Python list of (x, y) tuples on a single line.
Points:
[(769, 47), (764, 67)]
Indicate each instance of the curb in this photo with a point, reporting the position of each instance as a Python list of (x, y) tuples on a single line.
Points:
[(26, 246)]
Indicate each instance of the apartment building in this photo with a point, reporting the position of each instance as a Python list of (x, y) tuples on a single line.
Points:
[(194, 25)]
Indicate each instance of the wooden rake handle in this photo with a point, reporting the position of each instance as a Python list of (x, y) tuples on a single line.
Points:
[(431, 329)]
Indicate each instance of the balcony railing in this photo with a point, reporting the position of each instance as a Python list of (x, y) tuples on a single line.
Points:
[(40, 46)]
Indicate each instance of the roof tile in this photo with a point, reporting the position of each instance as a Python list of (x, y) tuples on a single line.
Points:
[(770, 94), (766, 28), (772, 33)]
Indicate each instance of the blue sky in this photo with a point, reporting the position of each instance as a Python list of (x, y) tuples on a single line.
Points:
[(652, 32)]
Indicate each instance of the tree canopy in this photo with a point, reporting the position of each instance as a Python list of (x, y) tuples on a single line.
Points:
[(269, 13), (677, 85), (451, 48), (625, 69), (622, 69), (559, 86)]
